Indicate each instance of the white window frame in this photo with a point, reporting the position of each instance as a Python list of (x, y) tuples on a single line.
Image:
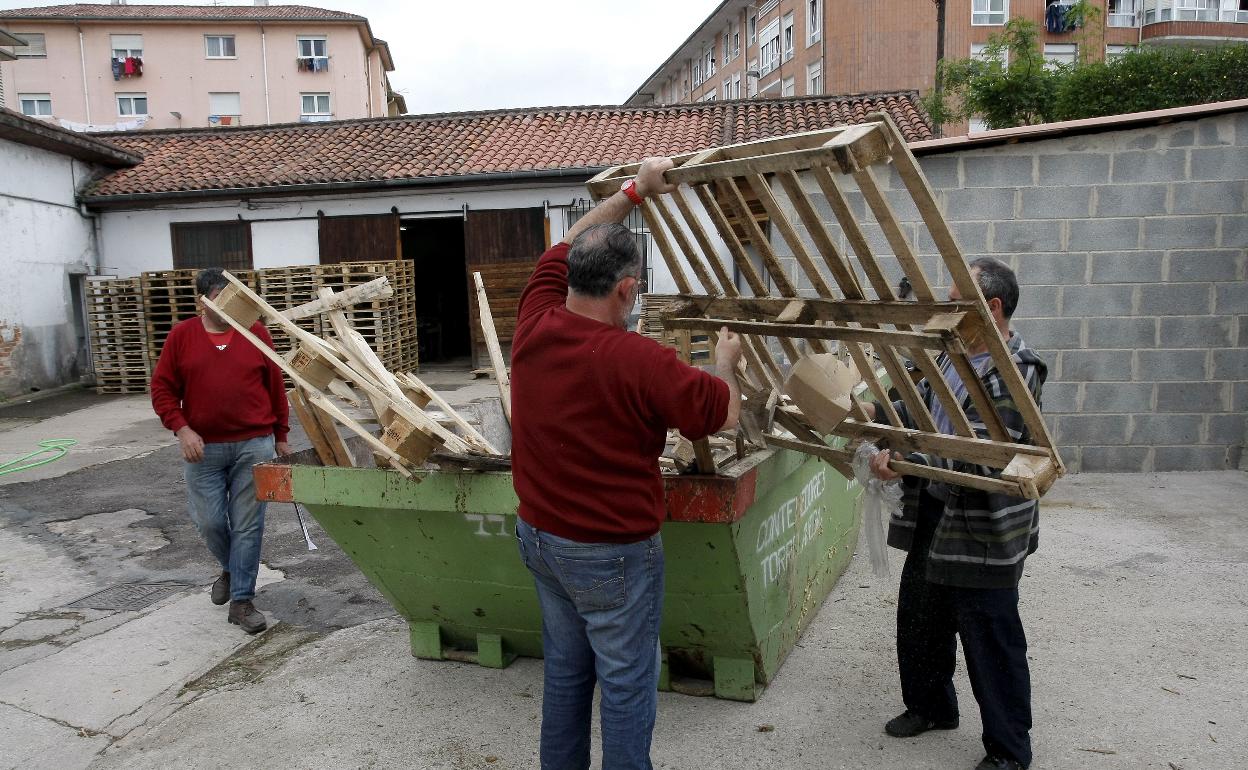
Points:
[(977, 52), (736, 43), (697, 74), (788, 36), (814, 78), (37, 100), (709, 96), (975, 125), (1125, 14), (238, 97), (769, 47), (736, 85), (208, 54), (1060, 53), (727, 88), (989, 13), (126, 51), (751, 29), (312, 40), (24, 51), (814, 21), (788, 86), (130, 97), (1115, 51), (727, 47), (316, 97), (708, 61)]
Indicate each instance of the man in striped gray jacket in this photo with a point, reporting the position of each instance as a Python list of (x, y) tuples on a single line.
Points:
[(965, 552)]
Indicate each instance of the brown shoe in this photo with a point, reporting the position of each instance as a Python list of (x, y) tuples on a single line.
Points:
[(245, 614), (221, 589)]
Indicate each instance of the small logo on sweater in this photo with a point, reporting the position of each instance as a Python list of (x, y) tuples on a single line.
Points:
[(221, 347)]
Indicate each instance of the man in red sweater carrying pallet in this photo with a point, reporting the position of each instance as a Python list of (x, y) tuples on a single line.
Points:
[(592, 403), (226, 403)]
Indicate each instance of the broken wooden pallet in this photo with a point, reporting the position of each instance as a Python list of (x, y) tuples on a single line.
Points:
[(853, 306)]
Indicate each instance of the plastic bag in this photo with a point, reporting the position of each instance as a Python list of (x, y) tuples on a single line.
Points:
[(880, 501)]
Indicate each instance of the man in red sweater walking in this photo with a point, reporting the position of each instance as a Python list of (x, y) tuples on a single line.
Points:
[(592, 403), (226, 403)]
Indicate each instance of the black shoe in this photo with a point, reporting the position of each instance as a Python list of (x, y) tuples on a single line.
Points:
[(245, 614), (909, 724), (221, 589), (998, 763)]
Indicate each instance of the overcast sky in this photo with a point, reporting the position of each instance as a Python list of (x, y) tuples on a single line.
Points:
[(488, 54)]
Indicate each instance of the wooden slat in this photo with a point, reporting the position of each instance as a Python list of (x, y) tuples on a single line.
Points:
[(496, 353)]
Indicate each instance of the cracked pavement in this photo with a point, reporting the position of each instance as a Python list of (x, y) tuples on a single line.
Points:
[(1134, 609)]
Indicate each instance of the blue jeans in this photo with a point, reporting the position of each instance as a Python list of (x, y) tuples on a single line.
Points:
[(221, 495), (601, 605)]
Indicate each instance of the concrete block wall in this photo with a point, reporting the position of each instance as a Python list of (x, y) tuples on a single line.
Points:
[(1130, 250)]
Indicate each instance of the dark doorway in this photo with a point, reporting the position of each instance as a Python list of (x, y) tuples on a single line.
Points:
[(436, 246), (503, 245)]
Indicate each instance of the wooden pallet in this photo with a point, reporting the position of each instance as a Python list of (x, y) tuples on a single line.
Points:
[(168, 299), (117, 335), (695, 348), (856, 309), (389, 327), (285, 288)]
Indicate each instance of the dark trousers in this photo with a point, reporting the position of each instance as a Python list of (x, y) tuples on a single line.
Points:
[(930, 615)]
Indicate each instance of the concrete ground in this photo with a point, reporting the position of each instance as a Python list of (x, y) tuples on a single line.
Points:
[(1134, 607)]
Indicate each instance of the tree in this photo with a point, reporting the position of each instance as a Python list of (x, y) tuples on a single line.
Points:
[(1007, 86)]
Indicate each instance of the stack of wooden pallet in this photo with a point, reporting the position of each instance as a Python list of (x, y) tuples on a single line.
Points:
[(389, 327), (694, 348), (117, 335), (854, 308), (289, 287), (333, 371), (169, 297)]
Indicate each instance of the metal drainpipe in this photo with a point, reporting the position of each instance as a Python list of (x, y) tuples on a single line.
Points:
[(264, 63), (368, 80), (82, 57)]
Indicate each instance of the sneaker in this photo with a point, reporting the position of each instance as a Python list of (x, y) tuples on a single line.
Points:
[(221, 589), (245, 614), (998, 763), (909, 724)]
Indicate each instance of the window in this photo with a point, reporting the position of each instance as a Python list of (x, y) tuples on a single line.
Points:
[(131, 104), (814, 78), (36, 105), (728, 88), (814, 21), (786, 87), (211, 244), (225, 105), (1114, 51), (751, 30), (710, 96), (315, 104), (125, 46), (976, 125), (36, 46), (1121, 13), (313, 48), (1056, 55), (708, 61), (980, 51), (220, 46), (788, 36), (727, 47), (736, 43), (697, 74), (769, 47), (989, 11), (736, 86), (1194, 10)]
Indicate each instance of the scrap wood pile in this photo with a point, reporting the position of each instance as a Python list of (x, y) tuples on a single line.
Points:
[(339, 371), (811, 363)]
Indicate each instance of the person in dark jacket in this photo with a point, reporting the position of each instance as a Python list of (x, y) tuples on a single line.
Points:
[(965, 552)]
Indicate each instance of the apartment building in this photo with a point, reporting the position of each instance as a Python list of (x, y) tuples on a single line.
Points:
[(806, 47), (117, 66)]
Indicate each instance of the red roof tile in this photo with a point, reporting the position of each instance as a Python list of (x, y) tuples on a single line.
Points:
[(184, 12), (427, 148)]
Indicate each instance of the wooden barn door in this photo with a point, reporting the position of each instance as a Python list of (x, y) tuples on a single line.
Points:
[(503, 245), (366, 238)]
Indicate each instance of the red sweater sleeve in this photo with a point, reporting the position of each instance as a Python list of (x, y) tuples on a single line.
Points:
[(687, 398), (276, 386), (548, 286), (167, 386)]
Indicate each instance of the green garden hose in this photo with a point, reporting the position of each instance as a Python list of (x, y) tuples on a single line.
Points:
[(58, 445)]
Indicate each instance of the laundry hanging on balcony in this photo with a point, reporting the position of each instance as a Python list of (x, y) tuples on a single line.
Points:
[(1058, 18), (126, 67)]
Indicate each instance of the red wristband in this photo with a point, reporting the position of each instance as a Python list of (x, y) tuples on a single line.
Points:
[(629, 188)]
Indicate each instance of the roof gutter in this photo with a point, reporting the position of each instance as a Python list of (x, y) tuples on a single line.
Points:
[(583, 174)]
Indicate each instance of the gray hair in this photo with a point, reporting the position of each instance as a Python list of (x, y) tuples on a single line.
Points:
[(996, 279), (209, 280), (601, 257)]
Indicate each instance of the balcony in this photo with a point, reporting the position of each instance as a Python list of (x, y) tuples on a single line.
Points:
[(1200, 22)]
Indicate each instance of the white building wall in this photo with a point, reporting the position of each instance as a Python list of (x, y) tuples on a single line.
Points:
[(44, 242), (284, 231)]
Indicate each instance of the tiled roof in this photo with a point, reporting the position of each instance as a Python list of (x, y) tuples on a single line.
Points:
[(427, 149), (185, 12), (32, 132)]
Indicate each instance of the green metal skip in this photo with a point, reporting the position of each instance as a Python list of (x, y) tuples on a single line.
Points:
[(751, 555)]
